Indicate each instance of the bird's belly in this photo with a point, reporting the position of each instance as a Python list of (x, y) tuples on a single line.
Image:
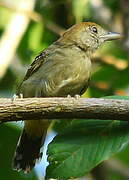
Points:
[(67, 81), (77, 82), (43, 88), (73, 88)]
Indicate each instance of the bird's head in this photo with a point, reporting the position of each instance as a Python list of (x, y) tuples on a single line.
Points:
[(88, 36)]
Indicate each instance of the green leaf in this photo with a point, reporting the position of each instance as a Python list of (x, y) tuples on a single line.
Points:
[(117, 97), (83, 145)]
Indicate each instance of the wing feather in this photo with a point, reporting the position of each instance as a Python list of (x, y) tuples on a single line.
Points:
[(37, 63)]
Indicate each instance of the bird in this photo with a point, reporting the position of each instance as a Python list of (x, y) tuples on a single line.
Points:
[(62, 69)]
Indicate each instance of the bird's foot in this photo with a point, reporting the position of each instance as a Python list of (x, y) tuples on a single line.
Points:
[(77, 96), (16, 97), (69, 96), (21, 96)]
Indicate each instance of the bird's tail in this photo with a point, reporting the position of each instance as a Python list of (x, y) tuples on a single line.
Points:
[(29, 145)]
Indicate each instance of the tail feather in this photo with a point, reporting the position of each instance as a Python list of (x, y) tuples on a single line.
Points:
[(27, 152)]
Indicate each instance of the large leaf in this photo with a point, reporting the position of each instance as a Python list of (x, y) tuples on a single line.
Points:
[(83, 144)]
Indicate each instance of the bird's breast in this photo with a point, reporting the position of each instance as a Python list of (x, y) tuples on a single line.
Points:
[(76, 76)]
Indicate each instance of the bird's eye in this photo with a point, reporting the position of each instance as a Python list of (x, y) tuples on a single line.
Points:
[(94, 29)]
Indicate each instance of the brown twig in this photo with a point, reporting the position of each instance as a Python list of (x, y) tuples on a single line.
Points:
[(54, 108)]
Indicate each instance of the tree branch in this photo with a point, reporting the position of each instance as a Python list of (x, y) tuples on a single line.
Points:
[(62, 108)]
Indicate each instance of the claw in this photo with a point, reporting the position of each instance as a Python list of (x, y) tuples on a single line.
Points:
[(21, 96), (17, 96), (77, 96), (69, 96), (14, 97)]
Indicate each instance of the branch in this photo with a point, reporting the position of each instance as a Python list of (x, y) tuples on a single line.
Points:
[(62, 108)]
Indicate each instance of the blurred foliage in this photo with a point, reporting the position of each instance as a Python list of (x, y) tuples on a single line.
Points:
[(54, 16), (114, 5), (7, 145)]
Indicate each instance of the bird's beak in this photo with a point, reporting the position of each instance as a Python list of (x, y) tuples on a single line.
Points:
[(111, 36)]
